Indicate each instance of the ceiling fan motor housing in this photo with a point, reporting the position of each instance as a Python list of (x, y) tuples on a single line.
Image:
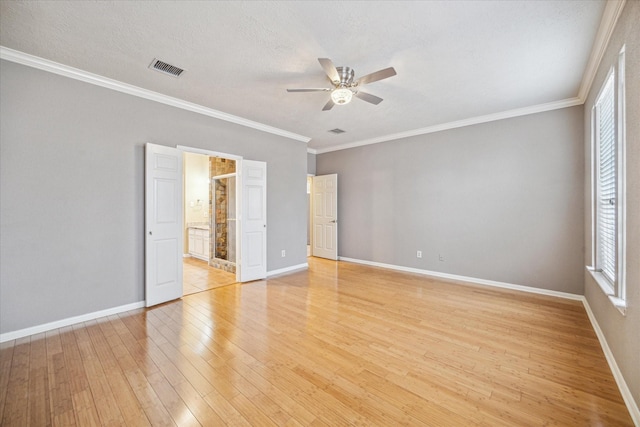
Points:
[(346, 76)]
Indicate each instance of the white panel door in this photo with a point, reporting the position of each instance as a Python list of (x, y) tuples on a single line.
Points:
[(163, 224), (325, 216), (253, 221)]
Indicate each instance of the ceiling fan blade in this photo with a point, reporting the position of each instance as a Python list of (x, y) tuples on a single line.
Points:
[(328, 106), (368, 97), (310, 90), (378, 75), (330, 69)]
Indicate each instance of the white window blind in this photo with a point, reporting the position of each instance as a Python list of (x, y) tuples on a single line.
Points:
[(606, 209)]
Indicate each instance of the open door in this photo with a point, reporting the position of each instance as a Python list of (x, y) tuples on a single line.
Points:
[(325, 216), (163, 224), (253, 221)]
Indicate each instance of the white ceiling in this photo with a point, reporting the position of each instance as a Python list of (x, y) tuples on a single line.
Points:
[(455, 60)]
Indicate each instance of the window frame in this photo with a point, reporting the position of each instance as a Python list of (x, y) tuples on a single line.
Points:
[(616, 289)]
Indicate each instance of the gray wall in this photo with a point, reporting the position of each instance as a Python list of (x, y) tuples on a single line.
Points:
[(498, 201), (72, 195), (311, 164), (622, 332)]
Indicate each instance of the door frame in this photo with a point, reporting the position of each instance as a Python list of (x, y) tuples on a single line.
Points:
[(310, 213), (238, 160)]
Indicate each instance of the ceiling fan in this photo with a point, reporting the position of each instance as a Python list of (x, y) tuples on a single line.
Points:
[(344, 87)]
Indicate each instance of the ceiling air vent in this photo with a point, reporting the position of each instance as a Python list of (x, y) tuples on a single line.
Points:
[(337, 131), (165, 68)]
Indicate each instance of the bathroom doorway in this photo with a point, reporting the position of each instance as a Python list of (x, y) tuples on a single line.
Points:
[(210, 195)]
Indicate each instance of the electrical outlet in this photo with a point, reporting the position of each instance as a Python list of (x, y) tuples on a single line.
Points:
[(440, 257), (419, 254), (284, 253)]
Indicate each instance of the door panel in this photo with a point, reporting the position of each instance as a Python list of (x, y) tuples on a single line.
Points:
[(166, 271), (254, 251), (329, 231), (253, 248), (325, 216), (254, 200), (163, 224), (166, 200)]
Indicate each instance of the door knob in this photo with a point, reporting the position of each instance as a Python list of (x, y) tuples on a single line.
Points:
[(150, 233)]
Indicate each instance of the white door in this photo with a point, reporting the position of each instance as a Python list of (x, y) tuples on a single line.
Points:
[(325, 216), (163, 224), (253, 221)]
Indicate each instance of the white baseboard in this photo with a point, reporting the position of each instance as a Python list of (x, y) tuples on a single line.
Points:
[(622, 385), (272, 273), (8, 336), (468, 279)]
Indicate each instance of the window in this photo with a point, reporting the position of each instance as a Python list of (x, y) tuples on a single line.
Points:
[(606, 181), (608, 118)]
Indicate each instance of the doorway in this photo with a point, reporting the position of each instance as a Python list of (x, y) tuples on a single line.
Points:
[(209, 222), (250, 224), (165, 231), (323, 232)]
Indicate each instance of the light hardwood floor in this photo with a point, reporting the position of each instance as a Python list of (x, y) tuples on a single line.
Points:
[(341, 344), (198, 276)]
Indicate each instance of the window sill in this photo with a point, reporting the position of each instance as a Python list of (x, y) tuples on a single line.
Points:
[(608, 290)]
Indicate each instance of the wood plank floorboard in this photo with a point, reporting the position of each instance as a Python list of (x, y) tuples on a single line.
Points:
[(338, 345), (198, 276)]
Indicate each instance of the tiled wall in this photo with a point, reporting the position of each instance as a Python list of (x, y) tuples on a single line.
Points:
[(220, 233)]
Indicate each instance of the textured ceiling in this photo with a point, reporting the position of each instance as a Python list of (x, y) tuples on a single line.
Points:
[(455, 59)]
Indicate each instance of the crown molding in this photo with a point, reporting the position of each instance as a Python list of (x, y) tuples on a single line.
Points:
[(570, 102), (95, 79), (612, 12)]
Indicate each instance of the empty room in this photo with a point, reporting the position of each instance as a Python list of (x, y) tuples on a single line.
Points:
[(320, 213)]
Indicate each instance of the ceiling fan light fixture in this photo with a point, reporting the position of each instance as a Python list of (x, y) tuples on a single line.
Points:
[(341, 96), (343, 85)]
